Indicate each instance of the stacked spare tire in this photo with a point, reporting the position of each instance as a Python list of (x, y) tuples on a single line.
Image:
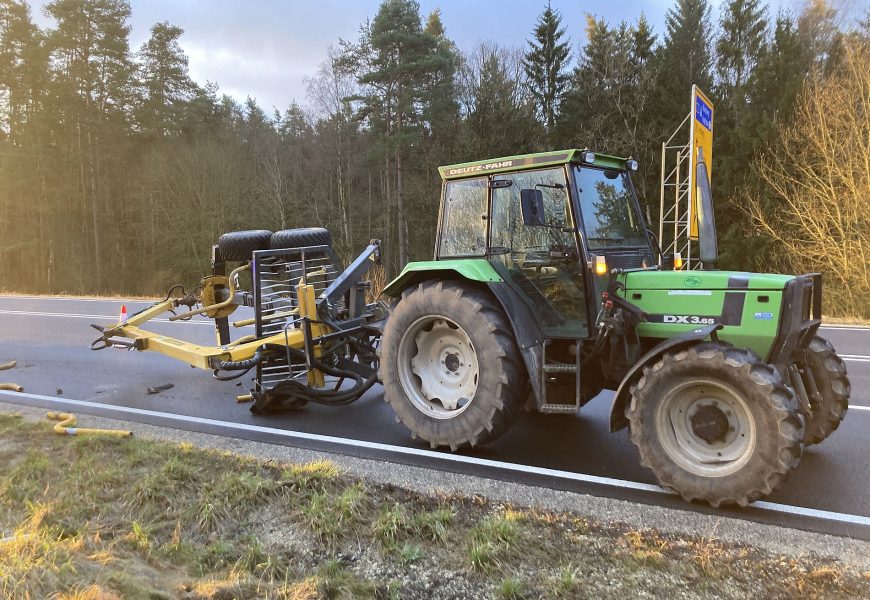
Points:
[(239, 246)]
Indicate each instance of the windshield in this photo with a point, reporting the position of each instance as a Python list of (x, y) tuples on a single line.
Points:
[(610, 214)]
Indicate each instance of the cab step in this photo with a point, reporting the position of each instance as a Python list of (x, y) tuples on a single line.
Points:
[(559, 368), (559, 409), (550, 372)]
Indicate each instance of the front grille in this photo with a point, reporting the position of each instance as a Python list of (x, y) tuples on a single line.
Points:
[(276, 274), (633, 260)]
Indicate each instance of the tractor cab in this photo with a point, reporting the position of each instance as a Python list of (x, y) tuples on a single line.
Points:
[(552, 226), (545, 222)]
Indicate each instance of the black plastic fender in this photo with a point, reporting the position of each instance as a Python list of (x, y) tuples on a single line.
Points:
[(617, 409)]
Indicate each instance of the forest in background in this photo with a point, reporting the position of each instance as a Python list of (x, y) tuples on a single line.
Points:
[(118, 172)]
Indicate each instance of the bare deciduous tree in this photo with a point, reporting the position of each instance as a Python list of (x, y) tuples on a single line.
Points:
[(817, 183)]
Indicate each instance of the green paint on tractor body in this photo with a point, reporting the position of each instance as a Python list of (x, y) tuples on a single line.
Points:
[(747, 305), (472, 269)]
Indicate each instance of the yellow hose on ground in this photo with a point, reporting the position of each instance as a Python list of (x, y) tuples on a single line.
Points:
[(68, 422), (14, 387)]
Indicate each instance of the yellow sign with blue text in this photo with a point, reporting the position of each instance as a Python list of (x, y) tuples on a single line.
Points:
[(700, 136)]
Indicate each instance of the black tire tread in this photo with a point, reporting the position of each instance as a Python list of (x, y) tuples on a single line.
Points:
[(835, 403), (790, 425), (512, 383), (302, 237), (239, 245)]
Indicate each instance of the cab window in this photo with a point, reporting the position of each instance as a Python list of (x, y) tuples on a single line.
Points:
[(463, 225)]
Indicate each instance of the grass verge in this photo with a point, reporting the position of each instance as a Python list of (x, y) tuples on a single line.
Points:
[(103, 518)]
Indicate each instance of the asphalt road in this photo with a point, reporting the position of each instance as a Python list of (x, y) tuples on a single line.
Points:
[(49, 338)]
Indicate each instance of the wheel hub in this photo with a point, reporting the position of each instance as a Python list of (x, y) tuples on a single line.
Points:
[(706, 427), (710, 424), (443, 367)]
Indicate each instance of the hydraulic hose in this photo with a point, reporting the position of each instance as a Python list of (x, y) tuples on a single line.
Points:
[(240, 365), (68, 422), (296, 389)]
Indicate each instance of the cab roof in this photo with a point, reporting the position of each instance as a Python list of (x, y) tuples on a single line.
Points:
[(525, 161)]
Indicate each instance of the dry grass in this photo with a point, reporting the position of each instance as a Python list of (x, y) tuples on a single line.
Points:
[(94, 519)]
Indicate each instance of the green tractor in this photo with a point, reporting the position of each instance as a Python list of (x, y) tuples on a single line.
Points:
[(547, 288)]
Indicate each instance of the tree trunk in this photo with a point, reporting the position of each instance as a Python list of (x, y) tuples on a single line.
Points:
[(388, 221), (98, 258), (400, 187), (400, 212)]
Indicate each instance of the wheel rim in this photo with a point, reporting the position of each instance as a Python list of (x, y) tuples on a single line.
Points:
[(706, 427), (437, 367)]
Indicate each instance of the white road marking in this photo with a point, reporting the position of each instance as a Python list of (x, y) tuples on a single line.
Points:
[(101, 317), (847, 327), (855, 357), (78, 299), (16, 398), (853, 407)]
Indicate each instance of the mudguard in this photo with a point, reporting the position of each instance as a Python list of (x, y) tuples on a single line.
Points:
[(623, 393), (473, 269)]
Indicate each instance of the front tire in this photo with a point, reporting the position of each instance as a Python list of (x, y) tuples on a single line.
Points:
[(451, 369), (832, 380), (716, 424)]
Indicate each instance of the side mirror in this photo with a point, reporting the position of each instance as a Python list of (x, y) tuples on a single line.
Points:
[(707, 243), (532, 205)]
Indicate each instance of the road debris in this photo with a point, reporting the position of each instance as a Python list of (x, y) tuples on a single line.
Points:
[(161, 388), (12, 387), (68, 422)]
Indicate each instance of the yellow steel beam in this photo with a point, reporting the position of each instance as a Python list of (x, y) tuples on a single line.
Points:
[(308, 308), (242, 349), (201, 356)]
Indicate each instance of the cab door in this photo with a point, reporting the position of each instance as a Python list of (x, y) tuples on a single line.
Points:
[(541, 261)]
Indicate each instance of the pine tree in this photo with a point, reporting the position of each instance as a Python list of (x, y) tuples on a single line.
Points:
[(440, 106), (607, 105), (23, 67), (90, 46), (740, 46), (500, 119), (164, 80), (395, 60), (686, 59), (546, 64)]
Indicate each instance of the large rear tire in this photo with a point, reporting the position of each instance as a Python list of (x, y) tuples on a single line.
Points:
[(451, 369), (716, 424), (832, 380)]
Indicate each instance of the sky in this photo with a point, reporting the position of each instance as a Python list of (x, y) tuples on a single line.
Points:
[(266, 48)]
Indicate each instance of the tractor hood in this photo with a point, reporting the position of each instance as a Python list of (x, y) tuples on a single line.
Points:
[(703, 280)]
